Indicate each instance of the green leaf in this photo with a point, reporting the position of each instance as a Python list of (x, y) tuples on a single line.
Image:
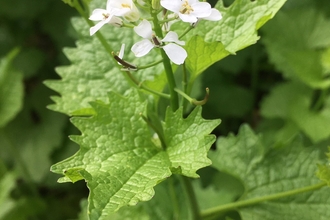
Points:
[(201, 55), (324, 171), (297, 52), (120, 162), (93, 72), (278, 171), (222, 189), (188, 140), (34, 133), (11, 89), (326, 61), (7, 184), (170, 202), (291, 101), (18, 208)]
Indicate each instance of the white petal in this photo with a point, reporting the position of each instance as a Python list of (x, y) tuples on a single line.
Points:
[(173, 37), (97, 27), (172, 5), (188, 18), (144, 29), (120, 7), (214, 16), (190, 2), (176, 53), (119, 4), (98, 14), (201, 9), (121, 52), (141, 48), (115, 21)]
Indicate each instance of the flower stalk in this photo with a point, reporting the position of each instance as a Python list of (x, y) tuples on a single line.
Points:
[(192, 100), (168, 68)]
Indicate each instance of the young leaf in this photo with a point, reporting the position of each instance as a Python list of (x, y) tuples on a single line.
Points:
[(278, 171), (11, 89), (120, 162)]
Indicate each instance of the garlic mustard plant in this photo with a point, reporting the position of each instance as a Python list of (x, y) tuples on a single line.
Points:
[(144, 126)]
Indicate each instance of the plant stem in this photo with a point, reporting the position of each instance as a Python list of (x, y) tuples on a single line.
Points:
[(192, 197), (139, 85), (186, 31), (175, 203), (150, 65), (185, 87), (254, 201), (167, 66), (254, 73)]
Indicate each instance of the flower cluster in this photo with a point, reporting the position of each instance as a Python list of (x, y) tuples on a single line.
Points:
[(190, 11)]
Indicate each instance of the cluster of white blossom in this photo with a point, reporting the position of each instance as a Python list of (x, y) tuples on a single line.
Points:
[(187, 10)]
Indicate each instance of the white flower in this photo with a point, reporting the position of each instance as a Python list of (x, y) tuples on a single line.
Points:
[(129, 10), (109, 15), (176, 53), (104, 17), (191, 10)]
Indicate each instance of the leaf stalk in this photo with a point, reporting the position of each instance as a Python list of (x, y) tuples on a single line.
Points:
[(235, 205)]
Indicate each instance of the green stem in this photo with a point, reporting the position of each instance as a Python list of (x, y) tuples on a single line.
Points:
[(186, 31), (254, 73), (185, 87), (150, 65), (175, 203), (138, 85), (167, 67), (167, 20), (192, 100), (186, 181), (254, 201)]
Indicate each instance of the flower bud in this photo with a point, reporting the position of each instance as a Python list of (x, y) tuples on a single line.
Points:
[(155, 4), (133, 14), (115, 21)]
